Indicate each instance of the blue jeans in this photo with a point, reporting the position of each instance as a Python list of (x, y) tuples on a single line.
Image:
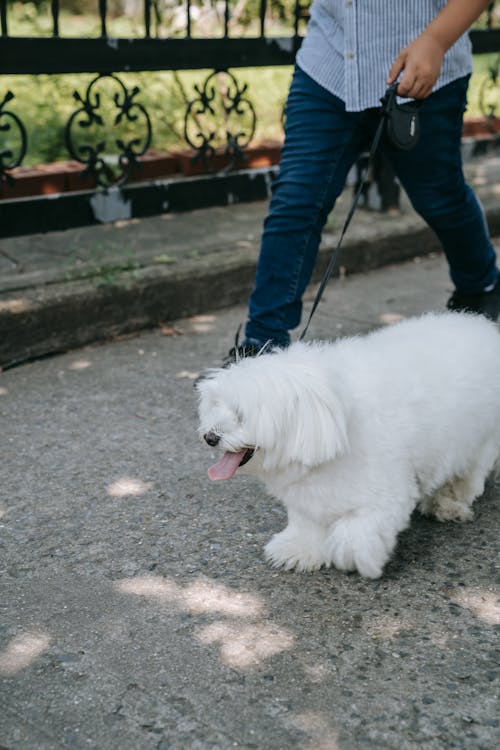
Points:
[(322, 141)]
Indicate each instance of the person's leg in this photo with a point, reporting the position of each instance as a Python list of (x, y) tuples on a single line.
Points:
[(321, 143), (432, 176)]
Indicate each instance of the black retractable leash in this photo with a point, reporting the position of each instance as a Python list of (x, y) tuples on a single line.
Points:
[(401, 126)]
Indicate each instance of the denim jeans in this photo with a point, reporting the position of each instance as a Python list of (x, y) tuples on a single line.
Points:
[(322, 141)]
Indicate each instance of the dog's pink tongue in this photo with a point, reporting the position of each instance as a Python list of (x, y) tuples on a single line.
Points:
[(226, 467)]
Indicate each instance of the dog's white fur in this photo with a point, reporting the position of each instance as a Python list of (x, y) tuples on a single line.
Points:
[(353, 435)]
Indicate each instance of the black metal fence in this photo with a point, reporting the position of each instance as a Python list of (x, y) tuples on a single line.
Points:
[(108, 57)]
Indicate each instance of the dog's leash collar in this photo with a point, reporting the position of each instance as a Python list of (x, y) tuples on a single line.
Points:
[(388, 104)]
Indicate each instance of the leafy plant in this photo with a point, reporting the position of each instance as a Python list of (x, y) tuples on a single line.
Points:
[(45, 103)]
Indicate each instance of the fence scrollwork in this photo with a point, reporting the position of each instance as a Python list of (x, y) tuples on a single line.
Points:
[(220, 117), (15, 141), (88, 130)]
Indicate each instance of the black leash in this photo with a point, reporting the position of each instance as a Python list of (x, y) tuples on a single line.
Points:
[(402, 130)]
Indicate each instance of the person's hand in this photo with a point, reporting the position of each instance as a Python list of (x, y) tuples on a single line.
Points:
[(421, 63)]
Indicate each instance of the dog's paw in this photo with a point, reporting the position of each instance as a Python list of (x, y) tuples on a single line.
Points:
[(358, 544), (448, 509), (291, 552), (454, 501)]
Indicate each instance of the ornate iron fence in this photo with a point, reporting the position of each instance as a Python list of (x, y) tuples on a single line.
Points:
[(214, 114)]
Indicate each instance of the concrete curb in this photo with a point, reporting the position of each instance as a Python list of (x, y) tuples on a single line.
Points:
[(61, 316)]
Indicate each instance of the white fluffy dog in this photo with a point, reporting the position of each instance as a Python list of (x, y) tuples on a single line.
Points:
[(352, 435)]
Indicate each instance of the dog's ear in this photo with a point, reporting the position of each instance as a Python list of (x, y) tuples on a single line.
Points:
[(318, 426), (301, 421)]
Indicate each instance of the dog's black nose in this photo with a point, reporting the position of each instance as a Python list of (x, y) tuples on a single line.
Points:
[(211, 438)]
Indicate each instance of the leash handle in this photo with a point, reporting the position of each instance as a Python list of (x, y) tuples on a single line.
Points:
[(334, 256)]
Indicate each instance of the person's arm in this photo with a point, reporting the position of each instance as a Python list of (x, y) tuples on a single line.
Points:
[(421, 60)]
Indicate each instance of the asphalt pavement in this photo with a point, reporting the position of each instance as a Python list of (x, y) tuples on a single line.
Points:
[(137, 610)]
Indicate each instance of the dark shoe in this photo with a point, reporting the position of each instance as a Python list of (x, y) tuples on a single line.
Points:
[(484, 303), (249, 348)]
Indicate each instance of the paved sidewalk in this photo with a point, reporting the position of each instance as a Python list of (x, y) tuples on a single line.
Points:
[(137, 611), (64, 289)]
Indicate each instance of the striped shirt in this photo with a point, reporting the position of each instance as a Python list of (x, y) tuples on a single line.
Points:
[(351, 44)]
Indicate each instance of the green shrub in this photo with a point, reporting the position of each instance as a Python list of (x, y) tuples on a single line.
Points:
[(45, 104)]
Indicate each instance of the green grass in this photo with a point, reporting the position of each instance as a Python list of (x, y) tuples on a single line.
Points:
[(45, 103)]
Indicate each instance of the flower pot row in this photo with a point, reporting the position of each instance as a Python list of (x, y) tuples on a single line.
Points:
[(66, 176)]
